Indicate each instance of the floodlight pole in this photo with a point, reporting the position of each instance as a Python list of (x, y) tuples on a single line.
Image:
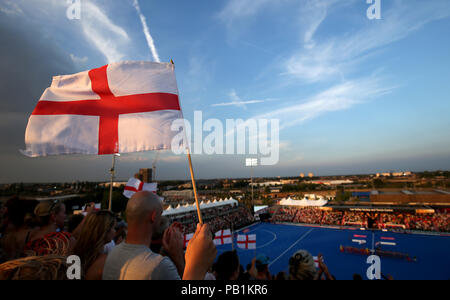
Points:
[(251, 174), (250, 163)]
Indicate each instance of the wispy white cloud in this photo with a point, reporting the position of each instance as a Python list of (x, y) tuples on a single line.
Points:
[(10, 8), (78, 60), (106, 36), (237, 9), (237, 101), (337, 98), (313, 13), (148, 36), (330, 58)]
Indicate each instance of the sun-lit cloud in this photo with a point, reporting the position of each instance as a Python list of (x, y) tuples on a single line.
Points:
[(337, 98), (237, 9), (238, 103), (330, 58), (78, 60), (106, 36)]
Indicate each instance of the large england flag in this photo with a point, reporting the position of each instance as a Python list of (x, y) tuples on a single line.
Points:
[(118, 108), (246, 241)]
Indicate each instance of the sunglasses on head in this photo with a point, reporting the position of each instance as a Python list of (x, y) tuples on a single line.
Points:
[(298, 257), (54, 204)]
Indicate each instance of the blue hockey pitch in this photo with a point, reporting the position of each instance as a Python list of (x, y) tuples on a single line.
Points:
[(280, 242)]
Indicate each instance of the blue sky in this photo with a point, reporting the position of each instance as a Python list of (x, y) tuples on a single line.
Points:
[(353, 95)]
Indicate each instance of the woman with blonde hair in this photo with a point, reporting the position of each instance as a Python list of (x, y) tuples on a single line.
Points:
[(97, 231), (49, 267), (303, 267), (50, 237)]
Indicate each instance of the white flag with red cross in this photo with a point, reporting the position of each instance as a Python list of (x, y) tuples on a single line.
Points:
[(135, 185), (223, 237), (118, 108), (316, 261), (187, 238), (246, 241)]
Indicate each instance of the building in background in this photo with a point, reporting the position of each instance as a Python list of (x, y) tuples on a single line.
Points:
[(144, 175)]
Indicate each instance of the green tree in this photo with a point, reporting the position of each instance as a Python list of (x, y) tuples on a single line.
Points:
[(378, 183)]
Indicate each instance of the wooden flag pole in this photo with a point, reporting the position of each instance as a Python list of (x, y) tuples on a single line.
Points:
[(194, 187), (200, 220)]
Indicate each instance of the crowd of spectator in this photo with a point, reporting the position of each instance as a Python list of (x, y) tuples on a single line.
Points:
[(149, 245), (310, 216), (302, 266), (439, 221), (226, 217), (354, 218), (285, 215), (36, 243), (332, 218)]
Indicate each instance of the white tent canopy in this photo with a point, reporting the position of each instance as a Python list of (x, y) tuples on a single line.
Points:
[(188, 208), (304, 202)]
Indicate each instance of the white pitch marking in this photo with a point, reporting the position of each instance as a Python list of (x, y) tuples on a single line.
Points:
[(301, 238)]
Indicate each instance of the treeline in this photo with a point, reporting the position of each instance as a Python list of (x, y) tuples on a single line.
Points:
[(289, 188), (434, 174)]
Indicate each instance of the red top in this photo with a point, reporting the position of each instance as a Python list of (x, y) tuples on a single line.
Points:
[(50, 242)]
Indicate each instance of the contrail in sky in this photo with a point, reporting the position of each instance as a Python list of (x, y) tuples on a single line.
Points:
[(150, 42)]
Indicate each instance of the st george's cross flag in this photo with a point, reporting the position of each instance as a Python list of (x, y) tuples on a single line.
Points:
[(223, 237), (135, 185), (246, 241), (118, 108), (316, 261)]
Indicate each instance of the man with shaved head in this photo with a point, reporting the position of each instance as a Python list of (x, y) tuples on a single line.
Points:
[(133, 259)]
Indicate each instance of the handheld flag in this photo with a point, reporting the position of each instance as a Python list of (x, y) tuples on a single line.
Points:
[(118, 108), (246, 241), (135, 185), (316, 261), (223, 237)]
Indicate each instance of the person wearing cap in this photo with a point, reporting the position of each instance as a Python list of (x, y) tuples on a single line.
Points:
[(260, 268), (49, 239)]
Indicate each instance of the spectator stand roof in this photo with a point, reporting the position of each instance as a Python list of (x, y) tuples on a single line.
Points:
[(304, 202), (192, 207)]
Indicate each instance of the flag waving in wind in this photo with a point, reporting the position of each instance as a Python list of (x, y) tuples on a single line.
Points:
[(135, 185), (223, 237), (118, 108), (246, 241)]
